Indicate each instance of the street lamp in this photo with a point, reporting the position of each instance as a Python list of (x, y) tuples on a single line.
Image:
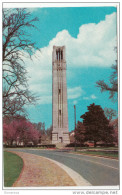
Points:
[(75, 124)]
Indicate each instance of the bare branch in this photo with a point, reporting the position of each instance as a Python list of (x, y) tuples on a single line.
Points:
[(15, 87)]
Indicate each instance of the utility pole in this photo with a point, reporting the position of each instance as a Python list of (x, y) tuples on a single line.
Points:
[(75, 124)]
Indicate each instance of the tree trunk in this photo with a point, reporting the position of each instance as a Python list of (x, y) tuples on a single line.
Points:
[(95, 145), (11, 143)]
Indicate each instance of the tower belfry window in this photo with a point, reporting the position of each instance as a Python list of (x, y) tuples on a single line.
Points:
[(61, 55), (56, 54)]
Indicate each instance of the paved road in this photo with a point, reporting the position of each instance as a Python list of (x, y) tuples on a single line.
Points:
[(97, 171)]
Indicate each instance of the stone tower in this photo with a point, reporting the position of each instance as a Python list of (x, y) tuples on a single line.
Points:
[(60, 133)]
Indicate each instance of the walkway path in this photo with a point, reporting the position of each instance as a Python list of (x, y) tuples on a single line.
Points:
[(95, 170), (39, 171)]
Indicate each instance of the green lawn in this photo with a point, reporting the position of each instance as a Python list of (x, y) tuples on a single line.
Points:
[(100, 153), (98, 148), (12, 168)]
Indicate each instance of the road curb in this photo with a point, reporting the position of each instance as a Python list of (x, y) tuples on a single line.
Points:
[(77, 178)]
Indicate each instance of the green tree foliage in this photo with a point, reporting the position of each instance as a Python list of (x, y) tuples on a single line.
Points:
[(97, 125)]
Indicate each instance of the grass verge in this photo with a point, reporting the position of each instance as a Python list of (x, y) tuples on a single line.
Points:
[(12, 168), (98, 148), (105, 154)]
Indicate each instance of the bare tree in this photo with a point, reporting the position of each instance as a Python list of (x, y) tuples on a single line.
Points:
[(109, 113), (112, 86), (16, 43)]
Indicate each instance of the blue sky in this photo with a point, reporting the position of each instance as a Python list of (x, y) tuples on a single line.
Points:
[(89, 34)]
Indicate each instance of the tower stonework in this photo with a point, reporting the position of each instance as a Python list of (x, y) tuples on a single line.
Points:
[(60, 132)]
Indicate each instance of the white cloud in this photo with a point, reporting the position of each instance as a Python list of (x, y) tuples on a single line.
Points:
[(94, 46), (75, 102), (45, 99), (93, 96), (86, 98), (90, 97), (74, 93)]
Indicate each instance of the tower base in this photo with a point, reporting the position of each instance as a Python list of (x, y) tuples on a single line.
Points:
[(60, 137)]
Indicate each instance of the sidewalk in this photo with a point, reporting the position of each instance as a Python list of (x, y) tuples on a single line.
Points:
[(38, 171)]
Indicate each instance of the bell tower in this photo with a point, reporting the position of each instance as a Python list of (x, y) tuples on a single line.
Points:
[(60, 133)]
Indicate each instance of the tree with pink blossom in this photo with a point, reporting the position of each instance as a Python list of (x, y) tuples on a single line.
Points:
[(20, 131)]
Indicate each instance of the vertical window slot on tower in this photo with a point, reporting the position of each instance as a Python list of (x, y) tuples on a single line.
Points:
[(59, 112)]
